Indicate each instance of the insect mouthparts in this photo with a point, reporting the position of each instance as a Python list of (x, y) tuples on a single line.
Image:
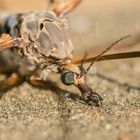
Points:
[(89, 96), (77, 78)]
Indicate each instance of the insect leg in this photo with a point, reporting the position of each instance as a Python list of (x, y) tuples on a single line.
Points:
[(38, 82), (6, 41), (64, 8), (11, 81)]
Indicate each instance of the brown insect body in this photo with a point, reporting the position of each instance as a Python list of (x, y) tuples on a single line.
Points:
[(50, 45), (45, 37), (45, 43), (40, 40), (47, 34)]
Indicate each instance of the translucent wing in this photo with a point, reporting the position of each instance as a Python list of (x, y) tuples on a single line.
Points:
[(122, 46), (112, 56)]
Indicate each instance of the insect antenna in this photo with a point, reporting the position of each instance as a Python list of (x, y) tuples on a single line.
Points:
[(82, 63), (103, 52)]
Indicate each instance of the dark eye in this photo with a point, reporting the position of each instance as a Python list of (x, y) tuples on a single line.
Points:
[(67, 78), (41, 26)]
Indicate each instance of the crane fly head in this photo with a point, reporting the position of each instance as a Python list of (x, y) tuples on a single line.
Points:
[(75, 75)]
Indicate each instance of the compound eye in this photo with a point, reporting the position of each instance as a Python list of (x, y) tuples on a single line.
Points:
[(67, 78)]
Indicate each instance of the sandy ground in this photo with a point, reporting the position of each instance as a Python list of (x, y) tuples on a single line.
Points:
[(30, 113)]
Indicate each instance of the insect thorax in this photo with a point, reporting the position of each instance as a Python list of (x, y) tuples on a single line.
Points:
[(46, 37)]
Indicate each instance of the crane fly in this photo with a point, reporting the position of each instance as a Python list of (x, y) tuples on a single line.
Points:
[(39, 41)]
